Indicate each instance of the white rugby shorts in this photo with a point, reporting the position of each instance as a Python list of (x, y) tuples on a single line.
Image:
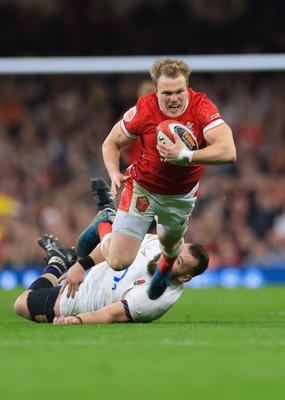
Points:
[(138, 208)]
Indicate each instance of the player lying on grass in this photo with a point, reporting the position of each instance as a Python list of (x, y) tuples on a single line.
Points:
[(106, 296)]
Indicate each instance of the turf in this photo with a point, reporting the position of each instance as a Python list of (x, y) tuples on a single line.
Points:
[(213, 344)]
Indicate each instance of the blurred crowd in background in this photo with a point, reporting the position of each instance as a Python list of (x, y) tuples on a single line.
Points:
[(52, 127), (146, 27)]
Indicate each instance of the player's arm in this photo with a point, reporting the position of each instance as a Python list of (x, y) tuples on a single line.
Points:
[(111, 148), (220, 150), (76, 274), (107, 315)]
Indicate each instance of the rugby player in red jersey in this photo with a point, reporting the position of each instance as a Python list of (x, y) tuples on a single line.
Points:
[(154, 187)]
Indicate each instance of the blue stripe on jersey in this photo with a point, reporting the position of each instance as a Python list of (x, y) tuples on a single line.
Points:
[(118, 279)]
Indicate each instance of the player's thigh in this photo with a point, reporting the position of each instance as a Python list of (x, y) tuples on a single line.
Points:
[(173, 214), (123, 250), (21, 307), (40, 303)]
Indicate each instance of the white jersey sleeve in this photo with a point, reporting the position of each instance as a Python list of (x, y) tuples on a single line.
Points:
[(142, 309)]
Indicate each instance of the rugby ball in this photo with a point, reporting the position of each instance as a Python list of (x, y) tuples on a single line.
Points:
[(164, 134)]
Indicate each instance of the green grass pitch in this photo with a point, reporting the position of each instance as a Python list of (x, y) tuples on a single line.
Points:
[(213, 344)]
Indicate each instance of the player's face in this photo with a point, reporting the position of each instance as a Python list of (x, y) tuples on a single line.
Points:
[(172, 95), (183, 264)]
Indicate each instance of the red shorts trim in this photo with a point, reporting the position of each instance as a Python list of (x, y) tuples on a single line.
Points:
[(127, 195)]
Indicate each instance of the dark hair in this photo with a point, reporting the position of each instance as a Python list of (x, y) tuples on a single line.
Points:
[(202, 256)]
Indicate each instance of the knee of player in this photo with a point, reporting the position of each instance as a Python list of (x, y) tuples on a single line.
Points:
[(21, 307), (118, 264)]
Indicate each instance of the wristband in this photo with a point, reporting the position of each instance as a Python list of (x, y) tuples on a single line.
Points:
[(86, 262), (185, 155)]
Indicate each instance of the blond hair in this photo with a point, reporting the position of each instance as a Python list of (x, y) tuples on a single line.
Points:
[(170, 68)]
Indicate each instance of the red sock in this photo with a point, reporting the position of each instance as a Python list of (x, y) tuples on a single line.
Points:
[(104, 228), (166, 264)]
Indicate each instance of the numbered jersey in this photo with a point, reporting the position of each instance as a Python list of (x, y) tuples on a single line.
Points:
[(104, 286)]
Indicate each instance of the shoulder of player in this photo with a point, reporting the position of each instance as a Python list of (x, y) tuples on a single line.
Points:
[(144, 309), (200, 108), (141, 112), (148, 102), (197, 98)]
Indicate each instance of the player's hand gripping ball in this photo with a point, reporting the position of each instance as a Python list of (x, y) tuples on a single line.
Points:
[(164, 134)]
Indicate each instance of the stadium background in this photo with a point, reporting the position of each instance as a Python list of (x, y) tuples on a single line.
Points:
[(52, 127)]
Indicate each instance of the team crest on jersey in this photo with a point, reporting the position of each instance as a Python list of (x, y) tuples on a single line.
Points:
[(190, 125), (139, 282), (129, 115), (142, 203)]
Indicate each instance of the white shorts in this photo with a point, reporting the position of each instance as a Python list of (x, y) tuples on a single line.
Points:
[(138, 208)]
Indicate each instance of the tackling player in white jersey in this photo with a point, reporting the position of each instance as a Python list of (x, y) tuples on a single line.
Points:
[(108, 296), (105, 295)]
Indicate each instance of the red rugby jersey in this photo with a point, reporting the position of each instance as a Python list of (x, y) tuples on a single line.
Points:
[(141, 121)]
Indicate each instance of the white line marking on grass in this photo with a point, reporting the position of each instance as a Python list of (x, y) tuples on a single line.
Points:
[(277, 313), (27, 343), (166, 342), (205, 343)]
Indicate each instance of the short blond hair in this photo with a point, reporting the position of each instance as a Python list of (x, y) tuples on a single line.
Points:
[(170, 68)]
